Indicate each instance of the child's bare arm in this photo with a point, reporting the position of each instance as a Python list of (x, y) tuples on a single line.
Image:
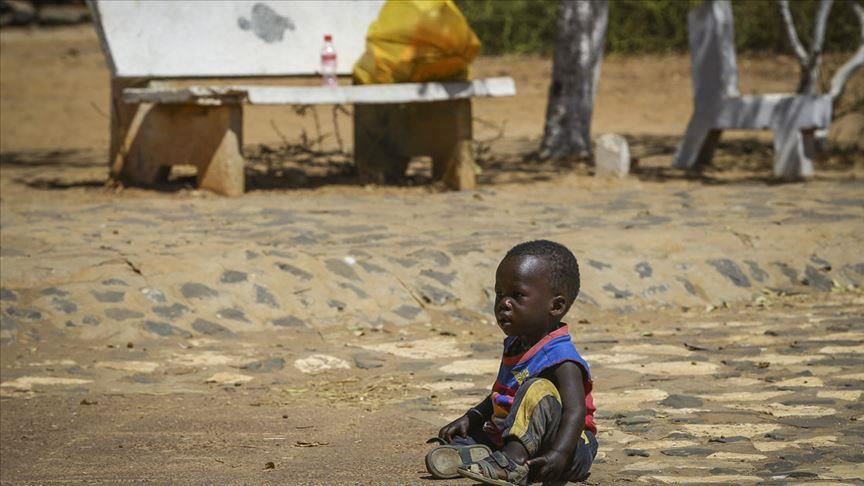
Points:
[(552, 464), (474, 416)]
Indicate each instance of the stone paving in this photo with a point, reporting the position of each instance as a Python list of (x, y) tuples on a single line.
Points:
[(165, 267), (724, 324)]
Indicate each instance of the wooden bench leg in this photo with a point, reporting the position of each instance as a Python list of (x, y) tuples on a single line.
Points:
[(123, 116), (208, 137)]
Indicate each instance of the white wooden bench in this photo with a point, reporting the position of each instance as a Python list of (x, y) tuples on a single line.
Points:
[(155, 125), (718, 105)]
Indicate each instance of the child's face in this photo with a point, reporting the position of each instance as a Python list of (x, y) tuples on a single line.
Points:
[(524, 300)]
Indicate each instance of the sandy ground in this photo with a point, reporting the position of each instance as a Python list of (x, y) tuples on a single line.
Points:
[(316, 330)]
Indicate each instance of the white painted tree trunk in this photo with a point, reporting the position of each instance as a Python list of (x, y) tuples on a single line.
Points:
[(575, 72), (841, 77), (811, 59), (811, 62)]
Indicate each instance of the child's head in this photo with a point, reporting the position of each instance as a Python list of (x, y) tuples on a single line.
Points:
[(535, 285)]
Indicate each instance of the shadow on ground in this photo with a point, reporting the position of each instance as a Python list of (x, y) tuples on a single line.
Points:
[(740, 160)]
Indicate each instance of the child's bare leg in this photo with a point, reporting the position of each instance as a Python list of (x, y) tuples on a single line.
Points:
[(515, 451)]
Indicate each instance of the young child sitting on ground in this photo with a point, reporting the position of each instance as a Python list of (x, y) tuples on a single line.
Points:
[(538, 422)]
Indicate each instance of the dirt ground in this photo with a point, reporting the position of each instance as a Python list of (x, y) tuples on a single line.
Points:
[(317, 330)]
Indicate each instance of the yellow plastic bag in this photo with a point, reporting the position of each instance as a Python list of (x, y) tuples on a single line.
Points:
[(417, 41)]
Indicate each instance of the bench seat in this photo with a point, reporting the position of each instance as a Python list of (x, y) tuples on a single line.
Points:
[(322, 95)]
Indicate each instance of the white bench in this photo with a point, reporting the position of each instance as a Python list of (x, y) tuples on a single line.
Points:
[(155, 125), (718, 106)]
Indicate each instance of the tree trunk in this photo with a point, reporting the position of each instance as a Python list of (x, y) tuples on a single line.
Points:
[(811, 62), (575, 71), (854, 63)]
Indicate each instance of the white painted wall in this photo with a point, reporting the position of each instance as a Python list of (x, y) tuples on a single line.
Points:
[(182, 38)]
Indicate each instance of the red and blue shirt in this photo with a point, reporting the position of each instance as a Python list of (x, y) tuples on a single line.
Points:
[(554, 349)]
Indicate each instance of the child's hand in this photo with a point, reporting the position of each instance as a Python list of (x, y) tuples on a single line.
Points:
[(549, 466), (458, 427)]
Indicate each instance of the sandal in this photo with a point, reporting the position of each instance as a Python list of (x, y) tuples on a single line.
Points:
[(485, 472), (442, 462)]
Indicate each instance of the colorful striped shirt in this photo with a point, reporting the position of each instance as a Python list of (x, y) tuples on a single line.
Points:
[(554, 349)]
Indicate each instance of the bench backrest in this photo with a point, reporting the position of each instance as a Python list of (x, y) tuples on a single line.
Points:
[(206, 38), (712, 51)]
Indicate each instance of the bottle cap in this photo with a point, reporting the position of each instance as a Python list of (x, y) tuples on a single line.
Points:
[(328, 37)]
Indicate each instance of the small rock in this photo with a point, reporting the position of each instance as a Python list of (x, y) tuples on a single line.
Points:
[(289, 321), (54, 291), (336, 304), (28, 314), (368, 361), (302, 274), (194, 290), (686, 452), (636, 453), (681, 401), (408, 312), (644, 269), (64, 306), (339, 267), (444, 279), (233, 276), (817, 279), (728, 440), (263, 296), (265, 365), (109, 296), (6, 294), (165, 329), (232, 314), (634, 420), (317, 363), (730, 270), (121, 314), (154, 295), (170, 312), (210, 328), (611, 155), (228, 379)]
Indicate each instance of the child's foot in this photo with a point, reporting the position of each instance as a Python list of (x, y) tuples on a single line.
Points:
[(497, 469)]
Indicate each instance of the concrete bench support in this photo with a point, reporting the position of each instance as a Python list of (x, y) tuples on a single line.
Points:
[(718, 106), (147, 139), (386, 136), (392, 123)]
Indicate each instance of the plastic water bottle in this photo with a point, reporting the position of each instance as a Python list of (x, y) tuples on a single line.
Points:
[(328, 62)]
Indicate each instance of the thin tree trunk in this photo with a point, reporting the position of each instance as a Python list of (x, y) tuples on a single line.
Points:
[(810, 61), (841, 77), (575, 72)]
